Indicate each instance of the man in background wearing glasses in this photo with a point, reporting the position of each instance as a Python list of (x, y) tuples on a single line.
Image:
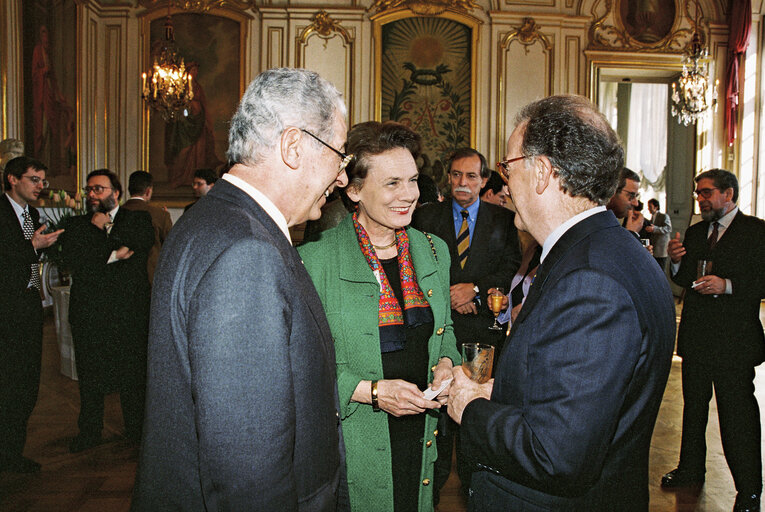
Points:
[(720, 337), (22, 239), (625, 201), (567, 422), (106, 250), (485, 253)]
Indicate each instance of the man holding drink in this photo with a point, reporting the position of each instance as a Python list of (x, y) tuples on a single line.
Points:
[(720, 265), (566, 424)]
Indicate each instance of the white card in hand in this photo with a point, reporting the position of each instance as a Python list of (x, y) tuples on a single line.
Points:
[(430, 394)]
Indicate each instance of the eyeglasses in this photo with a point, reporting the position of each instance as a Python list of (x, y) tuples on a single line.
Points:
[(504, 167), (96, 188), (631, 196), (37, 180), (346, 159), (706, 193)]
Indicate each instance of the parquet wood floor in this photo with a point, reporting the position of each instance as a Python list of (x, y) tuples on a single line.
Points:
[(101, 479)]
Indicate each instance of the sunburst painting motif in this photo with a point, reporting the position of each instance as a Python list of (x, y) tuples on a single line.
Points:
[(426, 80)]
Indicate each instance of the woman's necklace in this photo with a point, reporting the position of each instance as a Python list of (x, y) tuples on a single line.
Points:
[(383, 247)]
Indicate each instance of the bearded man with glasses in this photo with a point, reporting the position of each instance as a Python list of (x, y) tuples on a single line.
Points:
[(106, 250), (720, 337)]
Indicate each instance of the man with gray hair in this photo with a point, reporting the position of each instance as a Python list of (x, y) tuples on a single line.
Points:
[(567, 422), (242, 398)]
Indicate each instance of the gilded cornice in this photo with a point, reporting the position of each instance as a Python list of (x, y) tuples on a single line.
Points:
[(199, 5), (425, 7)]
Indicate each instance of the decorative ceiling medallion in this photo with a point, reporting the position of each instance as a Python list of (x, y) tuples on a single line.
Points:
[(199, 5), (638, 27), (425, 7), (528, 34)]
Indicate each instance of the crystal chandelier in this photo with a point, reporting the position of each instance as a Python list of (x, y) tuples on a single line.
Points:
[(167, 86), (692, 95)]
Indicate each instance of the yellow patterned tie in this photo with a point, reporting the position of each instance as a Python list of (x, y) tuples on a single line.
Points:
[(463, 239)]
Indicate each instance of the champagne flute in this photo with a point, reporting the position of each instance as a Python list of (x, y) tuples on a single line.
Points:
[(496, 297)]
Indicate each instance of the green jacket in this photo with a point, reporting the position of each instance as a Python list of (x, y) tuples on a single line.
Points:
[(350, 294)]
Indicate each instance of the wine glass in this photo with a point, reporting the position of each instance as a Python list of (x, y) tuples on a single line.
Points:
[(496, 297)]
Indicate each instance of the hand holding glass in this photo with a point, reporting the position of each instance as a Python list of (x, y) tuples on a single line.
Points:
[(477, 361), (496, 297)]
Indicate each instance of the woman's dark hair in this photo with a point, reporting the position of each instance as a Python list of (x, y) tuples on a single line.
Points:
[(372, 138)]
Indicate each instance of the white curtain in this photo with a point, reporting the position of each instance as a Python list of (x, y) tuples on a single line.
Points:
[(607, 101), (647, 132)]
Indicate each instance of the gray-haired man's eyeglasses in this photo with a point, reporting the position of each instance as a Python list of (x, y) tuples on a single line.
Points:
[(345, 159)]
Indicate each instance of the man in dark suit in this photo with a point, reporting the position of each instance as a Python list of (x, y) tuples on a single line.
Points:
[(720, 337), (140, 188), (106, 250), (242, 407), (660, 229), (21, 329), (492, 252), (567, 422), (485, 253)]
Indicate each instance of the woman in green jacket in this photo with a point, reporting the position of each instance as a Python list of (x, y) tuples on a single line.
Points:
[(385, 289)]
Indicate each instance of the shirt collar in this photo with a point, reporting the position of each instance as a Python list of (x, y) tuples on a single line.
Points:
[(16, 206), (263, 201), (558, 232), (113, 213), (726, 219), (472, 209)]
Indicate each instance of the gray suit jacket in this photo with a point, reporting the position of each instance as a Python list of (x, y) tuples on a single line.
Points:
[(241, 397), (662, 231)]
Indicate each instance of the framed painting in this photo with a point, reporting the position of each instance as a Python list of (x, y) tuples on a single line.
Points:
[(648, 21), (212, 46), (50, 101), (425, 76)]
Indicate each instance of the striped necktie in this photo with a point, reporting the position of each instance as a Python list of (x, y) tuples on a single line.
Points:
[(29, 230), (463, 239), (712, 240)]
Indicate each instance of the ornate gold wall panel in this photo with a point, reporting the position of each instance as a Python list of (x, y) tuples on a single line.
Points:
[(328, 48), (525, 62)]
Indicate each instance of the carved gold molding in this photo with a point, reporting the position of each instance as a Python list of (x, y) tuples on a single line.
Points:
[(425, 7), (199, 5), (325, 27), (608, 31), (527, 34)]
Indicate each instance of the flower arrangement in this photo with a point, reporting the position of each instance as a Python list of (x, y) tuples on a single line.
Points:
[(59, 207)]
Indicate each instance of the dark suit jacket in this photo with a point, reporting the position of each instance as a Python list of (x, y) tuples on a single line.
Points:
[(16, 255), (580, 380), (493, 259), (161, 221), (114, 296), (726, 330), (242, 408)]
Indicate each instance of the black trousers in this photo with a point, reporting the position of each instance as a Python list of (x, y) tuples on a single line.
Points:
[(20, 360), (739, 416), (109, 361)]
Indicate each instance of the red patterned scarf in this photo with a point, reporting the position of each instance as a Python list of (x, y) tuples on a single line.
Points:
[(391, 320)]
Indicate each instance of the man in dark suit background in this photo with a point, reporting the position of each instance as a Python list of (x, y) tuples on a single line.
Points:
[(21, 329), (660, 229), (492, 255), (567, 422), (720, 337), (106, 250), (140, 188), (242, 405), (485, 252)]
